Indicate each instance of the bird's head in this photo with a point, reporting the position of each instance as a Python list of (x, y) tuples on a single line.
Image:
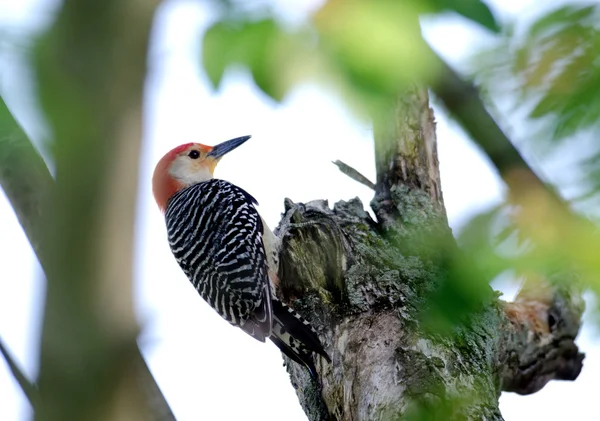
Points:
[(187, 165)]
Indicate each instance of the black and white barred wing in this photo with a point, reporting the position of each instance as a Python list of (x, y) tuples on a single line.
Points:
[(215, 233)]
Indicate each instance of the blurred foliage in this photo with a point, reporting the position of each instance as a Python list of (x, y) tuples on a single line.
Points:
[(550, 70), (556, 66), (368, 50)]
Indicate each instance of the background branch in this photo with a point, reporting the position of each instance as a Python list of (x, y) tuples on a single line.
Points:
[(90, 87), (25, 179), (26, 386), (81, 228), (27, 183), (463, 102)]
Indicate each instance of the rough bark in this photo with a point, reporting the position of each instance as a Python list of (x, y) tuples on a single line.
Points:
[(364, 285)]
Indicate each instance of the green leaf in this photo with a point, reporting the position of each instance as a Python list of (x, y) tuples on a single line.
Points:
[(268, 52), (216, 52), (261, 41), (474, 10), (247, 43)]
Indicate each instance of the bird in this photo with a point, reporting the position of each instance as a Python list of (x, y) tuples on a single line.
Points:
[(227, 251)]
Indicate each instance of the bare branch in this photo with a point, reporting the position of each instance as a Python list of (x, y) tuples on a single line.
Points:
[(25, 179), (354, 174), (27, 387)]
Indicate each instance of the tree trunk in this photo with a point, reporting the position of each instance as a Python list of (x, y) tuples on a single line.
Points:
[(366, 286)]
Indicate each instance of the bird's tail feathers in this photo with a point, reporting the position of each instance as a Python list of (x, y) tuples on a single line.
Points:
[(301, 358), (295, 336)]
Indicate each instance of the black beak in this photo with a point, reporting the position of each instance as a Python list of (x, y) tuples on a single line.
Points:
[(225, 147)]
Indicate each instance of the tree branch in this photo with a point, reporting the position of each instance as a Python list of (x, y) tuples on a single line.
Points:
[(366, 289), (90, 69), (30, 188), (364, 297), (544, 321), (539, 334), (25, 179), (27, 387), (354, 174), (462, 100), (406, 156), (361, 286), (27, 183)]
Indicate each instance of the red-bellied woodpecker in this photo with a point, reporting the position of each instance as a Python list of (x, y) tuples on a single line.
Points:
[(226, 250)]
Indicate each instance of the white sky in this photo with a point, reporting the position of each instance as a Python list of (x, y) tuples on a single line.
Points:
[(206, 369)]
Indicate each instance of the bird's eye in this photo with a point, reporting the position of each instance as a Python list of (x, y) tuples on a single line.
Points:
[(194, 154)]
